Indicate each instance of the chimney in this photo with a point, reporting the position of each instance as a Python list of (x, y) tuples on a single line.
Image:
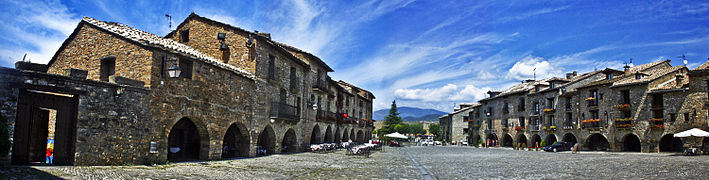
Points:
[(575, 74)]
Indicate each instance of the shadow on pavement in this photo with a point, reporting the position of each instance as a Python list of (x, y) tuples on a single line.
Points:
[(24, 172)]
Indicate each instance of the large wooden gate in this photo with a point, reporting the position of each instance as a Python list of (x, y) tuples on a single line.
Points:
[(31, 127)]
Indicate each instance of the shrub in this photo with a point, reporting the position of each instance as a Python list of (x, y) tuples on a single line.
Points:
[(543, 143)]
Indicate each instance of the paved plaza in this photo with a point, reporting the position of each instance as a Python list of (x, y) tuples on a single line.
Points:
[(402, 163)]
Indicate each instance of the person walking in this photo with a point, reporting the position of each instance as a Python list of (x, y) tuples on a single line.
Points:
[(576, 148), (50, 155)]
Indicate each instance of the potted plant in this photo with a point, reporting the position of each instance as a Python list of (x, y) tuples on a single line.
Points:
[(548, 110), (623, 106), (590, 99)]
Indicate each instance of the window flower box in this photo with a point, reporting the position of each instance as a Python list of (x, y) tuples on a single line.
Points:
[(590, 99), (519, 128), (623, 106), (548, 110), (658, 126), (624, 126), (656, 119), (552, 127), (623, 119)]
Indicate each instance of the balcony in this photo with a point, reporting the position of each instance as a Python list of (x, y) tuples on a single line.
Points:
[(624, 123), (284, 111), (657, 123), (320, 86), (535, 127)]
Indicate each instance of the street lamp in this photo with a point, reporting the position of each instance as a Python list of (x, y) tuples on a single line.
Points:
[(174, 71)]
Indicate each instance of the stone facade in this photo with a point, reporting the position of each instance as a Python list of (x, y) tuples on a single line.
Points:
[(240, 94), (636, 109), (454, 126)]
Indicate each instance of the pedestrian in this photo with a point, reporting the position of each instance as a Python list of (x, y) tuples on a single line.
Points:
[(487, 144), (576, 148), (50, 155)]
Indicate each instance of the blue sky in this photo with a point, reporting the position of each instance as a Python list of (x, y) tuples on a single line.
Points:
[(428, 54)]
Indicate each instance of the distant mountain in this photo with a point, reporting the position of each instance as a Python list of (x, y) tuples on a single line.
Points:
[(411, 114)]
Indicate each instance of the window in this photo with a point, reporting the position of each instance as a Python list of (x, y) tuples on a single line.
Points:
[(552, 85), (600, 96), (569, 106), (594, 115), (626, 96), (638, 76), (186, 68), (609, 76), (108, 67), (521, 121), (536, 107), (293, 78), (297, 103), (521, 104), (687, 118), (185, 36), (551, 121), (271, 67), (550, 103), (569, 117), (505, 108), (673, 117)]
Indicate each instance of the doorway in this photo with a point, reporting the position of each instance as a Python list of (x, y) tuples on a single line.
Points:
[(46, 122)]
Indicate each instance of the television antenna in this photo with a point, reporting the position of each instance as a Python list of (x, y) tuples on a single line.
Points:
[(684, 59), (534, 71), (169, 18)]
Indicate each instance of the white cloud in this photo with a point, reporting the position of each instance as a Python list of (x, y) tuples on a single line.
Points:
[(528, 66), (449, 92)]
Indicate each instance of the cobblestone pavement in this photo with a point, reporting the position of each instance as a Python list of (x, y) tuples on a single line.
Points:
[(396, 163)]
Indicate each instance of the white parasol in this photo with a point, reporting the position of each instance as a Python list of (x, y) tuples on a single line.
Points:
[(396, 135), (695, 132)]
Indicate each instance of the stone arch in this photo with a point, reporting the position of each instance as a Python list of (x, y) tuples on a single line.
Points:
[(289, 144), (570, 138), (188, 140), (315, 135), (266, 142), (328, 135), (507, 140), (597, 142), (492, 138), (345, 135), (536, 140), (522, 139), (352, 135), (236, 141), (338, 137), (360, 136), (669, 143), (631, 143), (550, 139)]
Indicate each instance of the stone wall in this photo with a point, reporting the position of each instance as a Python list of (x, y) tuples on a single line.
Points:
[(112, 126), (86, 48)]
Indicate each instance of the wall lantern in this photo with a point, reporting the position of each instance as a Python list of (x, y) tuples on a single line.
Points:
[(223, 47), (174, 71), (221, 36)]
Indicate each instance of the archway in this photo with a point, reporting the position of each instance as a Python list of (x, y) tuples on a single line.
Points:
[(536, 140), (507, 141), (328, 135), (551, 139), (570, 138), (289, 143), (522, 140), (669, 143), (492, 139), (345, 135), (352, 135), (266, 142), (183, 141), (315, 135), (360, 136), (597, 142), (631, 143), (236, 142), (338, 137)]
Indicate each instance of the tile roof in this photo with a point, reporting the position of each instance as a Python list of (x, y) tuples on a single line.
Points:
[(152, 40), (703, 66), (653, 74)]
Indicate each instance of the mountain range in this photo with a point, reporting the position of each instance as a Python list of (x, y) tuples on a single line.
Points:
[(411, 114)]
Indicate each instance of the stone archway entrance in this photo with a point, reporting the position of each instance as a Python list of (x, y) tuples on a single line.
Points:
[(492, 138), (669, 143), (236, 142), (570, 138), (507, 141), (328, 135), (266, 142), (338, 137), (315, 135), (184, 141), (597, 142), (522, 141), (536, 141), (345, 135), (551, 139), (360, 136), (289, 143), (631, 143), (36, 112)]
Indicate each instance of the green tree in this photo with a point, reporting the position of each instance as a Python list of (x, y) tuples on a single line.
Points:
[(416, 129), (393, 117), (401, 128), (435, 129), (4, 137)]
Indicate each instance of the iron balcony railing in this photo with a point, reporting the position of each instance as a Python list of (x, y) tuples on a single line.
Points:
[(280, 110)]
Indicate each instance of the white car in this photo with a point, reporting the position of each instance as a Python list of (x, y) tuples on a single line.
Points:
[(464, 143), (438, 143), (427, 142)]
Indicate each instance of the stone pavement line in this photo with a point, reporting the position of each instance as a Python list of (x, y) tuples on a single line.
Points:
[(424, 173)]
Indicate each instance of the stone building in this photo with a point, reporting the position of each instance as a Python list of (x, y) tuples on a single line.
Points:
[(238, 94), (635, 109), (454, 126)]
